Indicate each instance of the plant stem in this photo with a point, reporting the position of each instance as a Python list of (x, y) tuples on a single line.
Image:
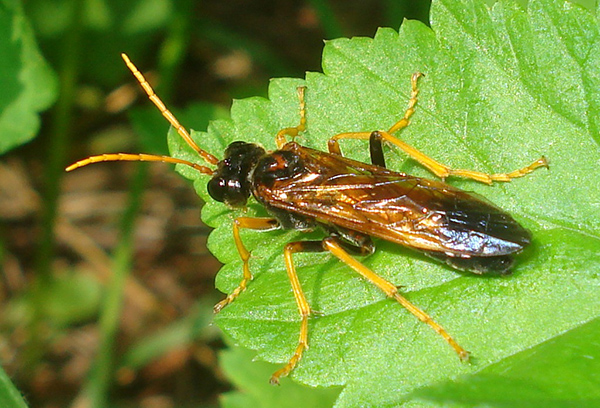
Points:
[(59, 138), (98, 384), (59, 135)]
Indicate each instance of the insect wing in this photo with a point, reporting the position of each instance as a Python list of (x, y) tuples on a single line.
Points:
[(424, 214)]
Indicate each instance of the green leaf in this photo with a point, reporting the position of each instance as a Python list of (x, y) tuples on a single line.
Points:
[(10, 397), (523, 380), (255, 392), (503, 86), (28, 84)]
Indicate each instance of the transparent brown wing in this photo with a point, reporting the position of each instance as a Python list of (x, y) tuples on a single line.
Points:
[(424, 214)]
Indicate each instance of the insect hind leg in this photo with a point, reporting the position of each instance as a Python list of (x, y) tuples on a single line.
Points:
[(443, 171), (440, 170), (333, 245), (303, 306)]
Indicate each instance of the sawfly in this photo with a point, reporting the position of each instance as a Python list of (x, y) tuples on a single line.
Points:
[(352, 202)]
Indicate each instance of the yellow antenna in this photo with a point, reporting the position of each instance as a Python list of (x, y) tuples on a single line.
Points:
[(137, 157), (209, 158), (167, 113)]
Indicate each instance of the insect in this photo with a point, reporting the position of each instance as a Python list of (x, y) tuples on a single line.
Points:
[(352, 202)]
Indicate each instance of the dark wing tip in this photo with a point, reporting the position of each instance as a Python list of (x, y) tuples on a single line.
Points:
[(490, 265)]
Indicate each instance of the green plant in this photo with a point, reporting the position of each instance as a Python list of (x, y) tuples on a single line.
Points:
[(503, 86), (28, 83)]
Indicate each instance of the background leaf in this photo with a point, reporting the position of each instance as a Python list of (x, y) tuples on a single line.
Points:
[(109, 26), (10, 397), (28, 84), (254, 391), (503, 86)]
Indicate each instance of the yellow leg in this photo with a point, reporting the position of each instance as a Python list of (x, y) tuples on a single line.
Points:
[(402, 123), (250, 223), (333, 143), (440, 170), (280, 139), (303, 306), (391, 291)]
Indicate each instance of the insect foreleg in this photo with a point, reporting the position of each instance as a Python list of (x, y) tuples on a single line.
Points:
[(249, 223), (334, 246), (303, 306)]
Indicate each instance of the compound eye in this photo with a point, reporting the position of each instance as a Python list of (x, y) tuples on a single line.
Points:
[(217, 188), (228, 190)]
